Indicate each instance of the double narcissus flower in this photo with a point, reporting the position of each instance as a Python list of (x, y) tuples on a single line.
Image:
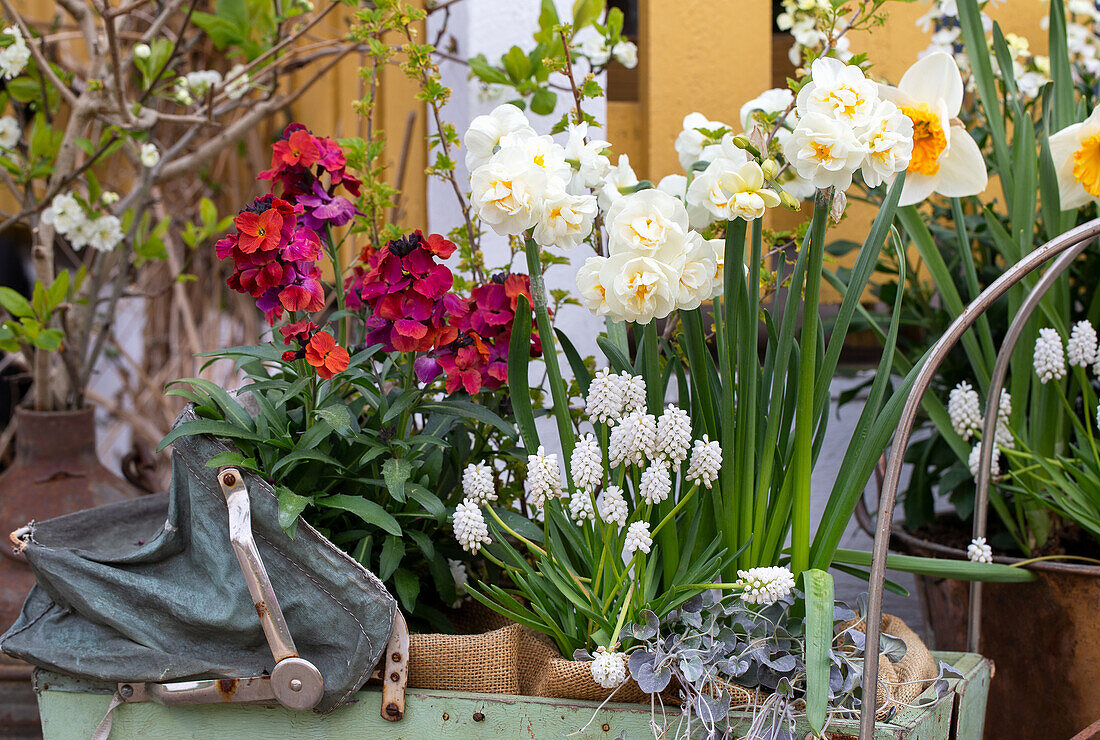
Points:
[(1075, 151)]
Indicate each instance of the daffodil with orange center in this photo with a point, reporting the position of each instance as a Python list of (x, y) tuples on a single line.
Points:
[(945, 159), (1076, 154)]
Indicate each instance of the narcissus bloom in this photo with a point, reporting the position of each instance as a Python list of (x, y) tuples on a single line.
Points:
[(945, 159), (730, 190), (1076, 154), (326, 355)]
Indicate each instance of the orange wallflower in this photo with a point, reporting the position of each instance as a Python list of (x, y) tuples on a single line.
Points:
[(324, 354)]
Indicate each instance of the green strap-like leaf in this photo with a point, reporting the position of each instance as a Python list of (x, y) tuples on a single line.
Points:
[(818, 587)]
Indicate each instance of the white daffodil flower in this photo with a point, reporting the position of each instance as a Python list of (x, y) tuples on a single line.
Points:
[(485, 132), (566, 220), (638, 288), (945, 158), (592, 293), (1076, 154), (729, 190), (643, 221), (838, 90), (507, 192)]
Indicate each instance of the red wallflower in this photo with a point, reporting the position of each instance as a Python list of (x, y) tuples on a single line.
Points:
[(259, 231), (323, 353), (297, 149)]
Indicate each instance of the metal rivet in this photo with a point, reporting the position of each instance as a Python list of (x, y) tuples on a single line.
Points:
[(606, 727), (229, 479), (396, 657), (295, 684), (446, 716), (395, 677), (478, 717), (126, 690)]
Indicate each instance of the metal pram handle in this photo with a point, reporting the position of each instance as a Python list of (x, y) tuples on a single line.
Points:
[(294, 683)]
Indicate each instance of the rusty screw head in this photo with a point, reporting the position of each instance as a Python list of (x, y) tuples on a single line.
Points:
[(446, 716), (479, 717), (395, 677), (396, 657), (606, 727), (393, 710), (126, 690), (229, 479)]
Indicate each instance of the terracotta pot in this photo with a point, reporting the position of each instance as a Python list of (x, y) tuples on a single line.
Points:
[(55, 471), (1043, 638)]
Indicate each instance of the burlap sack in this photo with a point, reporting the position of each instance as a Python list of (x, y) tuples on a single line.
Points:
[(513, 659), (900, 683)]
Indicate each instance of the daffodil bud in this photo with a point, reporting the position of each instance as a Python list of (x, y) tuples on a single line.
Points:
[(789, 201), (741, 142), (770, 168)]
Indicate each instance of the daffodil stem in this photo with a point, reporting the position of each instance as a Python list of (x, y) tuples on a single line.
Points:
[(807, 370), (558, 392)]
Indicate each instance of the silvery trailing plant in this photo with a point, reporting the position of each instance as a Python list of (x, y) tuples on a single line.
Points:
[(738, 660)]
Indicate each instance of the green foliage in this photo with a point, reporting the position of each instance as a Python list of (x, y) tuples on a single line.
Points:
[(29, 325)]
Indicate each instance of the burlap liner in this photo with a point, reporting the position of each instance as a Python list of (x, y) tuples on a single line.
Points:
[(512, 659)]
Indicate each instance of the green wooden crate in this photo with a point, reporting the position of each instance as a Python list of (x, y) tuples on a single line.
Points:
[(71, 709)]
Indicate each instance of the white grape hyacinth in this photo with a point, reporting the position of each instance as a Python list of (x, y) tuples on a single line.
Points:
[(586, 463), (580, 507), (477, 483), (608, 668), (978, 551), (1082, 345), (612, 506), (975, 460), (605, 398), (543, 476), (1050, 359), (633, 393), (470, 528), (964, 408), (655, 484), (638, 539), (632, 440), (764, 586), (673, 434), (706, 461)]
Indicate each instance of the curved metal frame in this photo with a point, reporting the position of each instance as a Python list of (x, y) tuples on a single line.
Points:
[(1069, 245)]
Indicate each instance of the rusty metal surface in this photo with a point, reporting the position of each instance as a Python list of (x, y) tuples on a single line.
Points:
[(55, 472), (1043, 637), (395, 676)]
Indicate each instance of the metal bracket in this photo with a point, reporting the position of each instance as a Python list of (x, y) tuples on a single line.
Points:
[(294, 683), (396, 672)]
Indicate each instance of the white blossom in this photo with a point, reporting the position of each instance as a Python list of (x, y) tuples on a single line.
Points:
[(64, 213), (470, 528), (690, 142), (764, 586), (14, 58), (9, 132), (1081, 347), (887, 139), (591, 164), (728, 190), (1050, 359), (580, 506), (706, 461), (632, 440), (105, 233), (640, 288), (592, 292), (838, 90), (638, 539), (238, 82), (586, 463), (978, 551), (612, 506), (626, 53), (964, 408), (608, 668), (768, 102), (975, 461), (673, 434), (150, 155), (619, 177), (477, 483), (565, 220), (108, 197), (543, 476), (633, 393), (142, 51), (604, 402), (593, 46), (201, 81), (655, 484)]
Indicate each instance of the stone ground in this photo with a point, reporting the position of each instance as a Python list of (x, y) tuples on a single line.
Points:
[(848, 588)]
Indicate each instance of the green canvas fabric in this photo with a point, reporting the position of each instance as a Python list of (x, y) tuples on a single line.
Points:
[(150, 590)]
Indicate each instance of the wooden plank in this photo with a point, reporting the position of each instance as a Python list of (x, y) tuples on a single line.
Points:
[(70, 711)]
